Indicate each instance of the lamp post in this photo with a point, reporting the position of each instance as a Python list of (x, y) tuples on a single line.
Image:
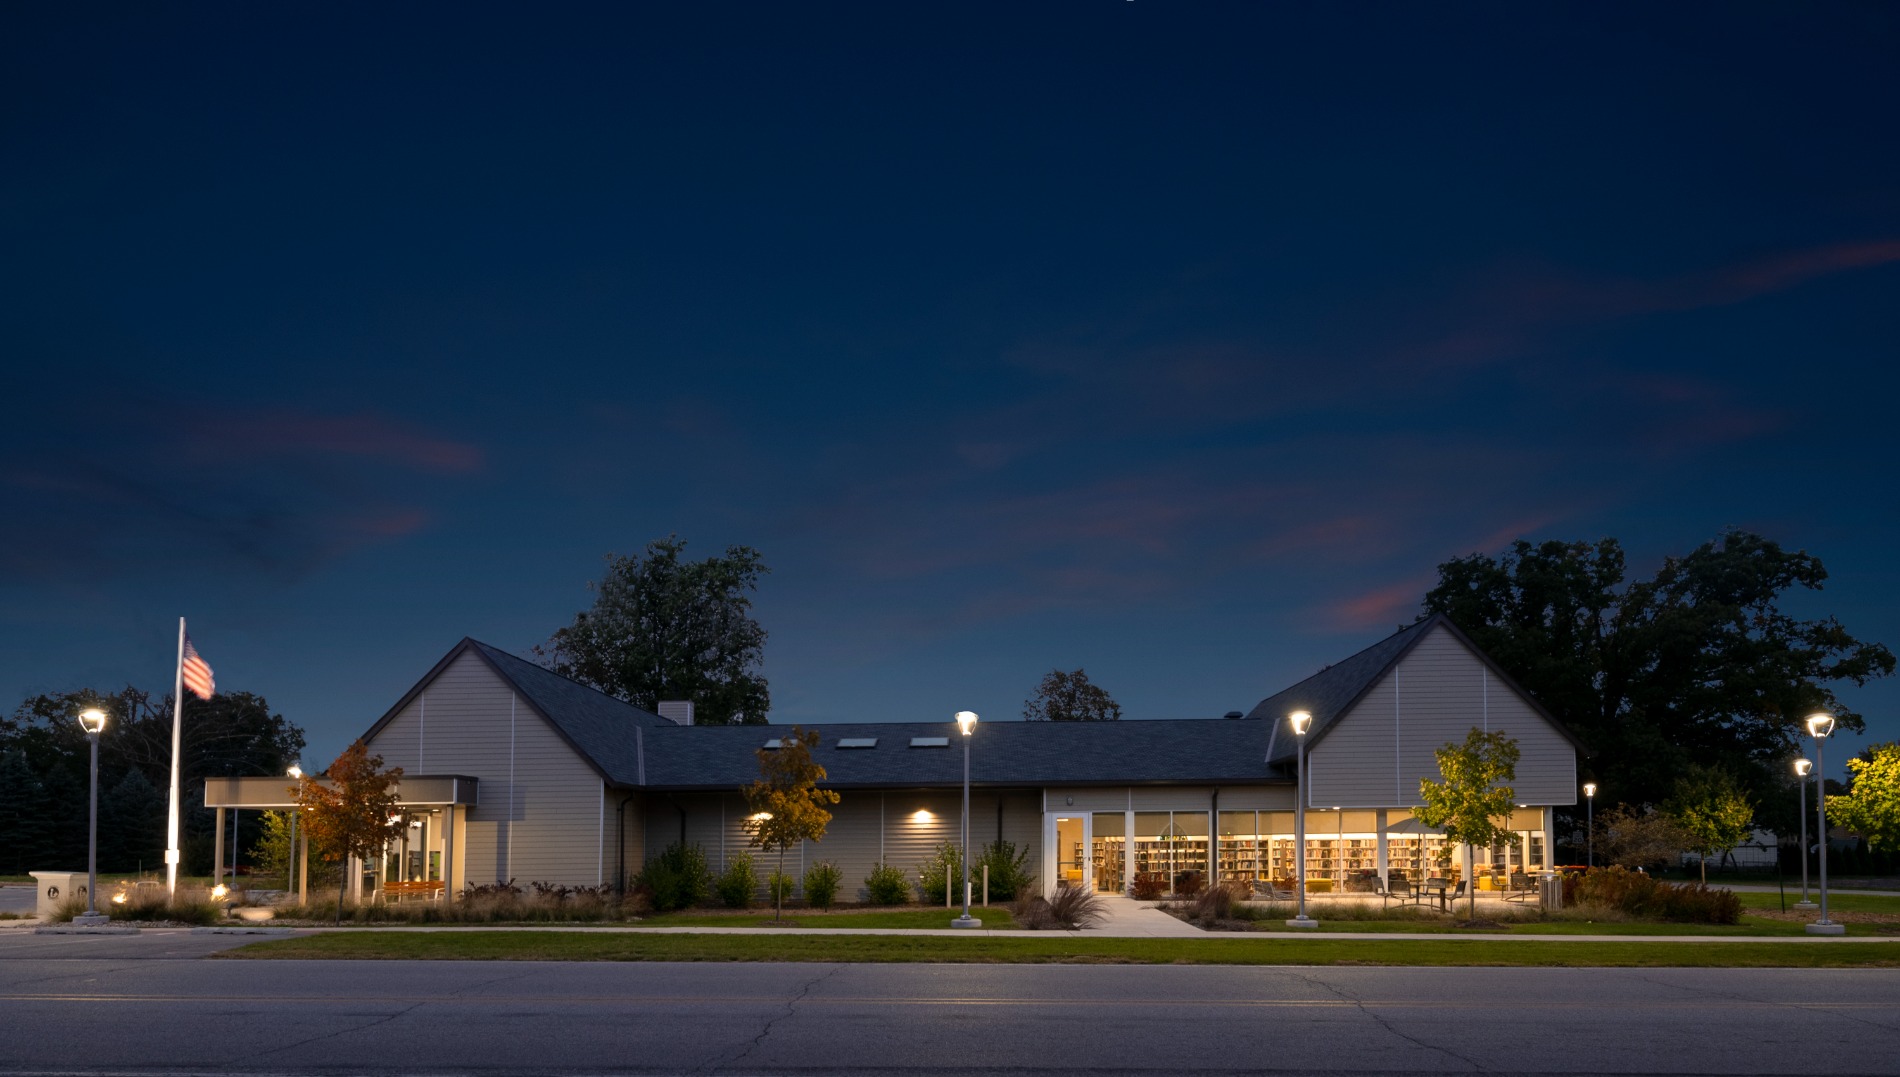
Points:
[(93, 721), (1802, 767), (1300, 721), (966, 724), (1820, 727), (295, 773), (1589, 824)]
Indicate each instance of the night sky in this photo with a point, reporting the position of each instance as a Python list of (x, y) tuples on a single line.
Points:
[(1176, 342)]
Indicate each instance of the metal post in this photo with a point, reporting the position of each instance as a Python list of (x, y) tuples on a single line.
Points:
[(1299, 829), (171, 812), (966, 724), (290, 857), (1820, 823), (1590, 831), (1801, 797), (92, 834)]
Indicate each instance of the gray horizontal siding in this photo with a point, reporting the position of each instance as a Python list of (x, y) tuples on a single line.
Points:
[(540, 815), (1377, 753)]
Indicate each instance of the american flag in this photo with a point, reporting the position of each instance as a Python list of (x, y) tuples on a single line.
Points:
[(197, 672)]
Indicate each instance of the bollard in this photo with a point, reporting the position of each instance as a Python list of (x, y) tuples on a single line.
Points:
[(986, 886)]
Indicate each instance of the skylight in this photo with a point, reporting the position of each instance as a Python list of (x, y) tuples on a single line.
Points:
[(857, 742), (930, 742)]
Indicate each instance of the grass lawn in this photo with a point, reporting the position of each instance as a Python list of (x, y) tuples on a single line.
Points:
[(1229, 950), (1836, 901), (992, 917), (1750, 925)]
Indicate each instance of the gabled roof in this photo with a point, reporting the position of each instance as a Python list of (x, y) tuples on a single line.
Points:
[(1333, 691), (605, 731), (1131, 752)]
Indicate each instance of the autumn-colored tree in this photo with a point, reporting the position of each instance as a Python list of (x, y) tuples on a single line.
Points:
[(787, 805), (1473, 804), (351, 814)]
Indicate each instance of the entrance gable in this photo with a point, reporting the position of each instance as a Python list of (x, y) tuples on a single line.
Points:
[(1376, 753)]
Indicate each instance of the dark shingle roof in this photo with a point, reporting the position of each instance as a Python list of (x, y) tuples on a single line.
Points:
[(1002, 753), (1332, 691)]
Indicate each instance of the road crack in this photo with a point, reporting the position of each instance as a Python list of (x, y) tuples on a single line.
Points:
[(1346, 996), (791, 1007)]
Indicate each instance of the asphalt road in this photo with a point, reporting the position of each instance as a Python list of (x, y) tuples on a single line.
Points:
[(152, 1004)]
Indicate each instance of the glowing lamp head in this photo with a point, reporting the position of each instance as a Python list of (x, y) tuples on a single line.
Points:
[(218, 891), (1300, 721), (1820, 725), (1803, 767), (760, 817), (119, 898), (966, 721), (92, 720), (295, 771), (1589, 789)]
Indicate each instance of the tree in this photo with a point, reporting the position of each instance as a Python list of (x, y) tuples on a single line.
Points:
[(664, 628), (1633, 838), (131, 824), (351, 815), (1712, 810), (1698, 664), (1069, 697), (1871, 805), (1474, 796), (22, 817), (787, 805)]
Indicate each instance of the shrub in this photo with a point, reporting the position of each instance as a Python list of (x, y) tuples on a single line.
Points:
[(1077, 907), (1150, 885), (1032, 912), (495, 903), (739, 883), (1638, 894), (780, 887), (888, 885), (1009, 869), (821, 884), (676, 879), (150, 906), (934, 875), (1219, 902)]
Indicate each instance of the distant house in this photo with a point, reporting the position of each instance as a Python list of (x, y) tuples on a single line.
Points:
[(513, 772)]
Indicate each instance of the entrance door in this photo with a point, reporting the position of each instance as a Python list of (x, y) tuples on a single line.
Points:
[(1072, 850)]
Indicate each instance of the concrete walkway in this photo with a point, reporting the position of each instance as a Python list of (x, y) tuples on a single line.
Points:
[(1131, 919)]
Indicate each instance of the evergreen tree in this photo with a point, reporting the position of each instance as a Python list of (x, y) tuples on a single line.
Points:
[(22, 817), (63, 800), (131, 824)]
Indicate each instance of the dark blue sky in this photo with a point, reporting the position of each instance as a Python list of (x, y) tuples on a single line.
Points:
[(1180, 345)]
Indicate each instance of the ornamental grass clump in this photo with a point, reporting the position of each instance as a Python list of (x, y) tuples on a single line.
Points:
[(490, 903), (1072, 909), (1637, 894)]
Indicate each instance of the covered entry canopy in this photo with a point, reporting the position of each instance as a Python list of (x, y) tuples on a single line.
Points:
[(414, 790)]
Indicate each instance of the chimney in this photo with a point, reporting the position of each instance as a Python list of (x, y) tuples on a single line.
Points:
[(677, 711)]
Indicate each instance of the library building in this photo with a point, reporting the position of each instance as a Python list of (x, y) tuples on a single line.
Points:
[(514, 772)]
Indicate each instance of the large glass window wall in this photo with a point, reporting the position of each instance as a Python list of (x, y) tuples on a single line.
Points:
[(1170, 852)]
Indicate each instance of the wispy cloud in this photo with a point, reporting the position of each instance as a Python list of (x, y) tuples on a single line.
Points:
[(367, 436)]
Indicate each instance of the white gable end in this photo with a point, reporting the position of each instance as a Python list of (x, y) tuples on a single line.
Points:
[(1375, 755)]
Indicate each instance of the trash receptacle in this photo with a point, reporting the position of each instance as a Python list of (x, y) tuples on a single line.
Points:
[(56, 888), (1551, 890)]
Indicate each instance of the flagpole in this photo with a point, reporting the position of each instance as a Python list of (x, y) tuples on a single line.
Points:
[(171, 815)]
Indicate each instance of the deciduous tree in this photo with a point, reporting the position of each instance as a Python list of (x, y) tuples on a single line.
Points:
[(666, 628), (1697, 664), (1070, 697), (1473, 804), (786, 803), (1712, 810), (354, 813), (1871, 805)]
